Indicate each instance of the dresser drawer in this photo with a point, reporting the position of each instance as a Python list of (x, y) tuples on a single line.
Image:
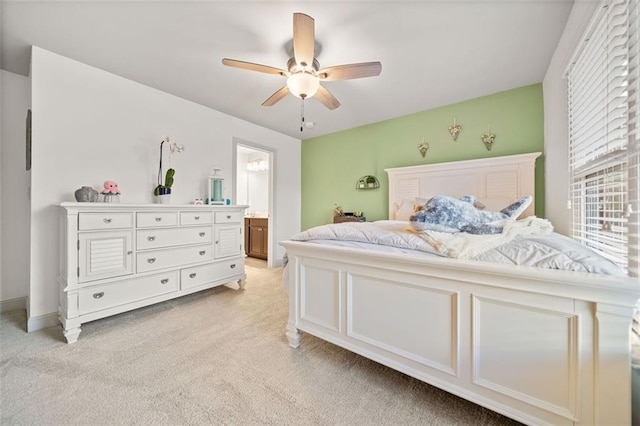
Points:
[(198, 275), (158, 238), (156, 219), (99, 221), (96, 298), (153, 260), (229, 217), (196, 218)]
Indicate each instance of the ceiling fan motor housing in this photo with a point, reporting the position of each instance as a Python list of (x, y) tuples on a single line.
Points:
[(293, 67)]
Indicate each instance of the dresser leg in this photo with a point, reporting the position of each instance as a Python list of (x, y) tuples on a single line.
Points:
[(242, 283), (293, 335), (72, 334)]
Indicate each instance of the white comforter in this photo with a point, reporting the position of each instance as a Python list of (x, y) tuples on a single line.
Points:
[(398, 234), (529, 242)]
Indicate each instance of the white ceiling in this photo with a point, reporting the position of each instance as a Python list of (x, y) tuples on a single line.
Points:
[(433, 53)]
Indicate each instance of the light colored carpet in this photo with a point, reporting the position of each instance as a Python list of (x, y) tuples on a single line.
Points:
[(217, 357)]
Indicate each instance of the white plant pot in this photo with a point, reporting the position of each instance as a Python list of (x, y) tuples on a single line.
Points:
[(163, 199)]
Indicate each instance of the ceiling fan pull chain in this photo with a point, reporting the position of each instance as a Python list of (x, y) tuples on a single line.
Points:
[(301, 115)]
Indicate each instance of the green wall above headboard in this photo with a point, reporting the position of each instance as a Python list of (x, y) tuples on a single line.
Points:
[(332, 164)]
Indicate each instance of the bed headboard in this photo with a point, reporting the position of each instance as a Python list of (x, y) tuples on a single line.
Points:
[(496, 182)]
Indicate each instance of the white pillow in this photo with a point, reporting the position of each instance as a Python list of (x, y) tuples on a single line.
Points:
[(420, 202), (405, 209)]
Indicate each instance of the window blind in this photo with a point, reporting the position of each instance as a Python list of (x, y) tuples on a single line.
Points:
[(633, 157), (603, 136)]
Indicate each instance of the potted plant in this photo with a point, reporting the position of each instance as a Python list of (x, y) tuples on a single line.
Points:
[(163, 190), (372, 182)]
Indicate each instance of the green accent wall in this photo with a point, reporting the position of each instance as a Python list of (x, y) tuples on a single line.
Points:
[(332, 164)]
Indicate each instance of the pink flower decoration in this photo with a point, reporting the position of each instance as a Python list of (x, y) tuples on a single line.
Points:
[(110, 187)]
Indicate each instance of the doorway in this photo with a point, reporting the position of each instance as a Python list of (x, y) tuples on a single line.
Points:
[(254, 172)]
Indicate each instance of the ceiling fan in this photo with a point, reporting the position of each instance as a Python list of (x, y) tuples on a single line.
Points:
[(303, 70)]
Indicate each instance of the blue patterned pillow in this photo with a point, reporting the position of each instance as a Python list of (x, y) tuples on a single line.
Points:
[(448, 214)]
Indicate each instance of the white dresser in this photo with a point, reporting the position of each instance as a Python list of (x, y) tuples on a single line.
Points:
[(119, 257)]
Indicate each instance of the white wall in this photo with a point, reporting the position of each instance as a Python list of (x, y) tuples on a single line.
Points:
[(252, 186), (556, 132), (242, 174), (2, 179), (258, 188), (14, 187), (90, 126)]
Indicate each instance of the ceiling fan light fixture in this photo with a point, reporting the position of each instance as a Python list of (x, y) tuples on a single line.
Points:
[(303, 84)]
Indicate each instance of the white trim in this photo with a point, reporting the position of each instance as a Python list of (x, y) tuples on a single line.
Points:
[(17, 304), (272, 262), (468, 164), (42, 322)]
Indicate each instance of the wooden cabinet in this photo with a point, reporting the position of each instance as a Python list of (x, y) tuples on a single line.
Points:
[(257, 237), (341, 219), (118, 257)]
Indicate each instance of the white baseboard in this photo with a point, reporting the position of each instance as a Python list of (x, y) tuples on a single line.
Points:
[(17, 304), (42, 321)]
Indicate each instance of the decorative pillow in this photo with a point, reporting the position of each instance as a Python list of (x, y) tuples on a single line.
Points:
[(421, 202), (405, 209), (473, 200), (477, 204), (447, 214)]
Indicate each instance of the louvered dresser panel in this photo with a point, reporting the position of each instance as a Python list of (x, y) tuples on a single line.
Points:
[(104, 254)]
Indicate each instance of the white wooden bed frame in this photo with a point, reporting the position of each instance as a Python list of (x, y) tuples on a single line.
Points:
[(539, 346)]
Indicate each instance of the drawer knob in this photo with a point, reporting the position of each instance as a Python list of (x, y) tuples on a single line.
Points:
[(228, 216), (192, 275), (151, 259), (217, 242), (203, 252), (151, 238), (232, 266), (98, 295), (129, 252), (164, 280), (197, 218), (201, 234), (107, 220), (158, 219)]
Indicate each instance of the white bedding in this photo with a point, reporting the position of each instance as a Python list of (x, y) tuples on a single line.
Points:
[(387, 233), (519, 247)]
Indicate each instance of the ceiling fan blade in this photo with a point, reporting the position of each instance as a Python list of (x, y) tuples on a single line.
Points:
[(326, 98), (350, 71), (303, 39), (276, 96), (254, 67)]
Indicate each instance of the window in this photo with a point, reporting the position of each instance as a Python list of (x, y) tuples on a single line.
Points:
[(604, 143)]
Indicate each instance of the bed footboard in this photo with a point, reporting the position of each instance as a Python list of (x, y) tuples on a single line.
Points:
[(539, 346)]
